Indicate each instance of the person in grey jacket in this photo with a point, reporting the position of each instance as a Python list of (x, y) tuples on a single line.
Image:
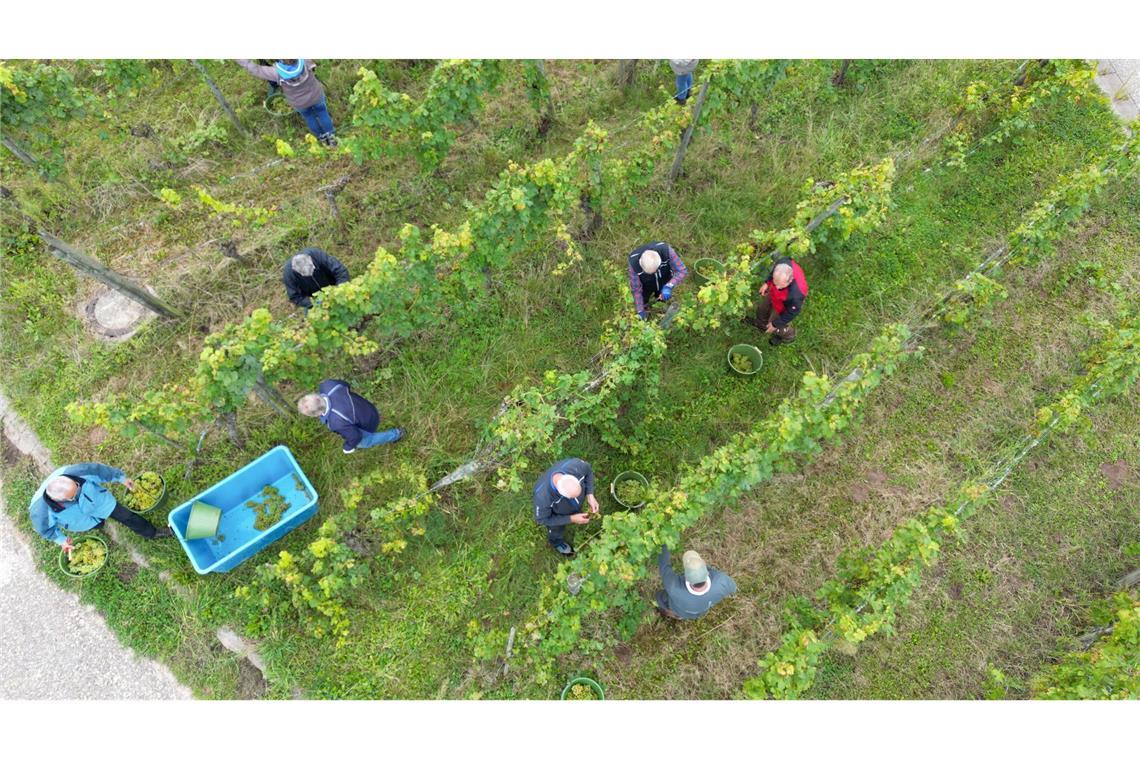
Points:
[(309, 271), (690, 596), (557, 500), (74, 498), (302, 90), (683, 68)]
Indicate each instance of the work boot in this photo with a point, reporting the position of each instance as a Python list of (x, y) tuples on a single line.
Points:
[(563, 548), (401, 433), (164, 532)]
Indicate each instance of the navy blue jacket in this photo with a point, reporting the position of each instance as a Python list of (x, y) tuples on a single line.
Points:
[(349, 414), (552, 508)]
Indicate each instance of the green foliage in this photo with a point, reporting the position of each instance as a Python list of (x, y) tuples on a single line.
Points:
[(399, 296), (170, 197), (620, 556), (124, 76), (1015, 108), (35, 94), (971, 294), (396, 516), (537, 85), (284, 149), (205, 134), (1110, 669), (871, 585), (170, 412), (391, 123), (237, 215), (738, 82), (537, 422), (855, 202), (312, 587)]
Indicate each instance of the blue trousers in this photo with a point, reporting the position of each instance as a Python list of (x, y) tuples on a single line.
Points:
[(375, 439), (317, 118), (684, 84)]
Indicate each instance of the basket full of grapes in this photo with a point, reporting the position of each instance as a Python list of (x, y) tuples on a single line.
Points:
[(88, 555), (149, 492)]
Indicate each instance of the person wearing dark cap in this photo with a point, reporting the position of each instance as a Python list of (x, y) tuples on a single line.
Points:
[(690, 596)]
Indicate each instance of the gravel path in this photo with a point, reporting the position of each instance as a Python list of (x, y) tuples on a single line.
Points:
[(1119, 78), (52, 646)]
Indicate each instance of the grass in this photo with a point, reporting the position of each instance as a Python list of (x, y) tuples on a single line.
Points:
[(482, 557), (1057, 526)]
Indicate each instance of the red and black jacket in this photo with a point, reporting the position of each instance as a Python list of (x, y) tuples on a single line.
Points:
[(787, 303)]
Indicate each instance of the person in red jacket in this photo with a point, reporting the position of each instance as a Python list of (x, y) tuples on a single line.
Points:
[(781, 300)]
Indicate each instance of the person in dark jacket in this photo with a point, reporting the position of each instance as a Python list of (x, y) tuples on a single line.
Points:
[(302, 90), (308, 272), (690, 596), (558, 500), (349, 415), (74, 498), (781, 300), (654, 270)]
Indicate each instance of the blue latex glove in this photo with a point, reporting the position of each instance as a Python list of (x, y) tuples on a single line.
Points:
[(666, 292)]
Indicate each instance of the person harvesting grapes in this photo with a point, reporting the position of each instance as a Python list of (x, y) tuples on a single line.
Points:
[(654, 270), (558, 500), (303, 91), (75, 498), (309, 271), (349, 415), (693, 594), (781, 300)]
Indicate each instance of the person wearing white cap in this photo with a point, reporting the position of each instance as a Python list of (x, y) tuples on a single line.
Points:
[(558, 500), (654, 270), (690, 596)]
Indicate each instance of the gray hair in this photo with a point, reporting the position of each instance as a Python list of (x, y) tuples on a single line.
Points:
[(783, 270), (650, 261), (311, 405), (303, 264), (62, 488)]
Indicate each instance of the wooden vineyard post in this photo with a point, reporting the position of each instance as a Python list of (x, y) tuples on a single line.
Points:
[(626, 73), (18, 151), (95, 269), (676, 170), (841, 75), (272, 397), (218, 95)]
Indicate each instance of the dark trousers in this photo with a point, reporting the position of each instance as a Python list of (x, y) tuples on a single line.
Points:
[(785, 334), (556, 534), (136, 523)]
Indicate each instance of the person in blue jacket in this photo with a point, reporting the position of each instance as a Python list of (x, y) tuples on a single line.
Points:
[(74, 498), (349, 415)]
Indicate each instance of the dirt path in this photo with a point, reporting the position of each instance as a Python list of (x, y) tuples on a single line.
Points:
[(52, 646)]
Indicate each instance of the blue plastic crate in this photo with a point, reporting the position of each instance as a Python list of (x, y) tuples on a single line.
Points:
[(237, 540)]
